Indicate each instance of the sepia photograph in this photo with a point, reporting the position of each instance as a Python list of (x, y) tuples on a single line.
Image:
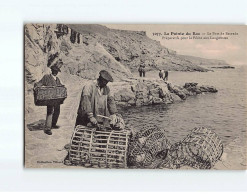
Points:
[(135, 96)]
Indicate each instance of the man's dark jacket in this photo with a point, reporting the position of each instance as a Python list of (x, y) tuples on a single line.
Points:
[(48, 80)]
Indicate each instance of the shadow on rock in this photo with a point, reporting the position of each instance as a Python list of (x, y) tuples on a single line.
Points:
[(36, 126)]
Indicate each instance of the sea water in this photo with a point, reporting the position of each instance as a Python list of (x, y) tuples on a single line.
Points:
[(224, 112)]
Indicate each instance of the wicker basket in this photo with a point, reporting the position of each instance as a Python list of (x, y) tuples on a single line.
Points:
[(202, 148), (99, 148), (45, 95)]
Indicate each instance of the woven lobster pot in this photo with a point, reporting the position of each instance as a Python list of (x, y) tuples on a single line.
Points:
[(99, 148), (202, 148), (49, 95), (147, 147)]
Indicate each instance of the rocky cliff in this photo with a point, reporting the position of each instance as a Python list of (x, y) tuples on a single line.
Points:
[(131, 48), (86, 49), (83, 56)]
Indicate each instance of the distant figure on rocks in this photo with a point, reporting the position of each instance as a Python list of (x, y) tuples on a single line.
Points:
[(97, 104), (161, 74), (53, 109), (141, 70), (166, 76)]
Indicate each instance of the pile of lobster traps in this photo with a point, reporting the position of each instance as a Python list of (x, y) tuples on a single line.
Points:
[(49, 95), (201, 149), (148, 148), (90, 147)]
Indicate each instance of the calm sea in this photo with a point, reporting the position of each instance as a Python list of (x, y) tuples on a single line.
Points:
[(224, 112)]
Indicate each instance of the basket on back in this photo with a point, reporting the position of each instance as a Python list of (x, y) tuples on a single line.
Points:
[(99, 148), (51, 95), (202, 148), (148, 148)]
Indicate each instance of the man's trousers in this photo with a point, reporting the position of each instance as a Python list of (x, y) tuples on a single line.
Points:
[(53, 112)]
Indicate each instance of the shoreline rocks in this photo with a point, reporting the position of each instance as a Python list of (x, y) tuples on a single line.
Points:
[(150, 92), (224, 67)]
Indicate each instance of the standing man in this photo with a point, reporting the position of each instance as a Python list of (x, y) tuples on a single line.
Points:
[(97, 101), (141, 70), (166, 76), (161, 74), (53, 109)]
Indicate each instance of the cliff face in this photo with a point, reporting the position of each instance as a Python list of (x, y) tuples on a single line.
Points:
[(131, 48), (87, 49), (203, 61), (82, 55)]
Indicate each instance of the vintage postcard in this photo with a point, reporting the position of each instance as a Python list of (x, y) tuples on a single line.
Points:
[(135, 96)]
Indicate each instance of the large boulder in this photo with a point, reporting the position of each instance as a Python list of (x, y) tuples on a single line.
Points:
[(163, 90), (209, 89), (157, 100), (177, 90), (124, 95), (195, 89), (155, 92), (175, 97)]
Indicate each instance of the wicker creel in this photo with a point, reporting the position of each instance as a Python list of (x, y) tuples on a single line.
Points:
[(201, 149), (99, 148), (49, 95)]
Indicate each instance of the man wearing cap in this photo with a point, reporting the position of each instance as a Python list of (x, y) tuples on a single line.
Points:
[(53, 110), (96, 100)]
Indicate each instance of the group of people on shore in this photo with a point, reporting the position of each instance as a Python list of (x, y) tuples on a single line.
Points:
[(96, 106), (162, 73)]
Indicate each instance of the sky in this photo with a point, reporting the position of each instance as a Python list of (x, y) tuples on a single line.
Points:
[(233, 50)]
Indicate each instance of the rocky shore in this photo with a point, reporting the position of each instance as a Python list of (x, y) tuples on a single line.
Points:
[(131, 92), (224, 67), (141, 92)]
